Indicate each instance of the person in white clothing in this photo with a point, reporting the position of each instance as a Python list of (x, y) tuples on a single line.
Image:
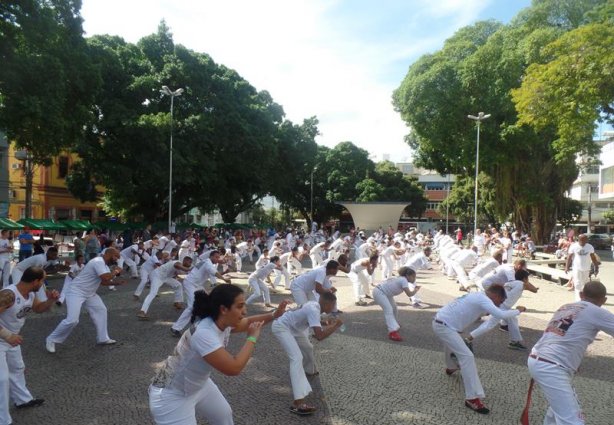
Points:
[(508, 248), (459, 262), (502, 274), (16, 301), (195, 281), (579, 257), (131, 256), (448, 324), (256, 281), (166, 274), (315, 253), (73, 272), (556, 357), (419, 261), (182, 389), (318, 280), (39, 260), (6, 248), (83, 291), (360, 272), (482, 270), (384, 294), (513, 291), (291, 330), (153, 262), (389, 256), (479, 242), (284, 259)]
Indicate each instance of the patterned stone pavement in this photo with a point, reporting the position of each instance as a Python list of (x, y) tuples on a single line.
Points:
[(364, 377)]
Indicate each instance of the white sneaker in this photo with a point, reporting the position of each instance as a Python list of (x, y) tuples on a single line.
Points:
[(108, 342), (50, 346)]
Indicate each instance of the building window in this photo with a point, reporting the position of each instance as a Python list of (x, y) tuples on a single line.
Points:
[(432, 205), (62, 167), (62, 214), (435, 186), (85, 214)]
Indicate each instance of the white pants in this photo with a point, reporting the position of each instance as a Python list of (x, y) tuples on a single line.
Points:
[(259, 288), (316, 260), (130, 263), (580, 278), (278, 274), (171, 407), (300, 352), (186, 314), (453, 343), (461, 274), (294, 265), (301, 297), (360, 284), (67, 282), (144, 279), (492, 322), (5, 269), (555, 382), (388, 267), (96, 309), (156, 283), (12, 380), (41, 294), (239, 263), (390, 309)]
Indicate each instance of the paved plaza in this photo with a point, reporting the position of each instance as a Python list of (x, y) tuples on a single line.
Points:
[(364, 377)]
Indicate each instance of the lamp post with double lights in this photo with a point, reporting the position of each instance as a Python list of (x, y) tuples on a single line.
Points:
[(173, 94), (478, 119)]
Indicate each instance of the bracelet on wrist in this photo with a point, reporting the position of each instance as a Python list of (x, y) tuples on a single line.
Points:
[(252, 339)]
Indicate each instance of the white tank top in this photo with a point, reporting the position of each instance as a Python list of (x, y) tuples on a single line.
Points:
[(14, 318)]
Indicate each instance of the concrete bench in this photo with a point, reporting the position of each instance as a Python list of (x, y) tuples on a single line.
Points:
[(554, 274), (551, 263)]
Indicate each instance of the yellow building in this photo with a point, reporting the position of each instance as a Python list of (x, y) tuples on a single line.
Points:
[(50, 196)]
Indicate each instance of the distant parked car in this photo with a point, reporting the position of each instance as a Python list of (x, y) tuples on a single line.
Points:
[(600, 240)]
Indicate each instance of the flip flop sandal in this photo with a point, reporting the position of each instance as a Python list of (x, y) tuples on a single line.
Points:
[(303, 410)]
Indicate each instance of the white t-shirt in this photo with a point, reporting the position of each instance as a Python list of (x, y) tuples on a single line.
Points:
[(389, 252), (130, 252), (150, 264), (185, 370), (357, 266), (463, 311), (169, 246), (285, 257), (418, 261), (304, 317), (502, 274), (581, 256), (479, 242), (5, 244), (166, 270), (199, 275), (38, 260), (75, 269), (572, 328), (263, 271), (262, 261), (88, 281), (317, 249), (513, 289), (307, 281), (465, 257), (394, 286), (13, 319), (483, 269)]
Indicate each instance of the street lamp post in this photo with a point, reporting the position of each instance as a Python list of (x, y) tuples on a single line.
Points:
[(168, 92), (481, 117), (311, 203)]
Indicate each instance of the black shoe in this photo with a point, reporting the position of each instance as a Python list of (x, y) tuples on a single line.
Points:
[(35, 402), (176, 333)]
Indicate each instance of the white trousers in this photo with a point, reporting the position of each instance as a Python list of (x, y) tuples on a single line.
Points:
[(260, 289), (186, 314), (156, 283), (388, 267), (580, 278), (171, 407), (555, 382), (294, 265), (144, 279), (96, 309), (453, 343), (316, 260), (460, 272), (130, 263), (5, 269), (67, 282), (239, 263), (390, 309), (360, 284), (12, 380), (300, 352), (278, 274), (301, 297), (493, 322)]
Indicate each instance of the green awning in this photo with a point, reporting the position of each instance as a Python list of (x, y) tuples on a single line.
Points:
[(77, 224), (8, 224), (41, 224)]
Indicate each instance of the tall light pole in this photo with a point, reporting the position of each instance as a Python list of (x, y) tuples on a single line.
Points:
[(311, 203), (168, 92), (481, 117), (448, 205)]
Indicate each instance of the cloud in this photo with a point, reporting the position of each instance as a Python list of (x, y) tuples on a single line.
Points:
[(338, 60)]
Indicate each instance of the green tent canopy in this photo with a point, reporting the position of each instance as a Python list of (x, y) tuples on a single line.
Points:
[(78, 224), (8, 224), (41, 224)]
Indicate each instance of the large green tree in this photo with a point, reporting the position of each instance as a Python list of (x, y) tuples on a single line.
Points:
[(46, 78)]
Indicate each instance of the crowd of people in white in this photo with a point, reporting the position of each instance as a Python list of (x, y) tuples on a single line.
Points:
[(485, 270)]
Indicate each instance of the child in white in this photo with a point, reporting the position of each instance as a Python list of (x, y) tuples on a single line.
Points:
[(556, 357), (292, 332), (256, 281), (385, 292)]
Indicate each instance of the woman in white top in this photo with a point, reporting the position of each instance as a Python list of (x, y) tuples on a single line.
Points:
[(182, 389), (385, 292)]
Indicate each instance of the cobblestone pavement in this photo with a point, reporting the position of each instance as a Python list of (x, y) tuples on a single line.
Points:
[(364, 377)]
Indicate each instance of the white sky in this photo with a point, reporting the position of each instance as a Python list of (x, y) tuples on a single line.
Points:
[(337, 59)]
